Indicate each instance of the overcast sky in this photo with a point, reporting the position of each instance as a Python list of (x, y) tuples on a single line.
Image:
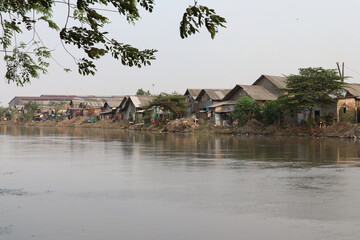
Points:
[(275, 37)]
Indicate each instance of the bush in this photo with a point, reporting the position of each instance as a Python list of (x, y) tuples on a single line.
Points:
[(347, 116), (245, 109), (329, 119), (272, 112)]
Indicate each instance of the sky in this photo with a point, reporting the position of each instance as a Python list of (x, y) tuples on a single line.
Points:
[(275, 37)]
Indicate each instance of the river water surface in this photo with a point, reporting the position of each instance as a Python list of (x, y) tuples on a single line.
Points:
[(81, 184)]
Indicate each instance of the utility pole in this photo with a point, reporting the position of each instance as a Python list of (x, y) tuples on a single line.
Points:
[(341, 71)]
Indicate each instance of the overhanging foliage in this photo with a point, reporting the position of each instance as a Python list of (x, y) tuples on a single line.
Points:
[(82, 28)]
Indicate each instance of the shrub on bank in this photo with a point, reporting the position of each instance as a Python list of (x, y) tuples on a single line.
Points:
[(245, 109), (272, 112)]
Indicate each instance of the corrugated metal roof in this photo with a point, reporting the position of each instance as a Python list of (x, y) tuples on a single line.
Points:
[(215, 94), (278, 81), (44, 98), (76, 102), (92, 104), (193, 92), (114, 103), (353, 89), (141, 101), (258, 93), (218, 104)]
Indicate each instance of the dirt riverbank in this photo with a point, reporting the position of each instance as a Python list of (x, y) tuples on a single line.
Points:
[(187, 125)]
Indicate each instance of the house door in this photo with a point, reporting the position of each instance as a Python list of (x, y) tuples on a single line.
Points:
[(316, 113)]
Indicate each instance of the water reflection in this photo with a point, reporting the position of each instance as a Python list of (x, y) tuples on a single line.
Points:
[(111, 184), (268, 149)]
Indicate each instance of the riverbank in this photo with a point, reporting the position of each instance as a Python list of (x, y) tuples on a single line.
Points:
[(187, 125)]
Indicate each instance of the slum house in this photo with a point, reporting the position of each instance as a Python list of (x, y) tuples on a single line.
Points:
[(118, 112), (347, 107), (132, 108), (276, 84), (221, 110), (192, 105), (109, 109), (81, 105), (207, 97), (265, 88), (74, 109), (92, 108)]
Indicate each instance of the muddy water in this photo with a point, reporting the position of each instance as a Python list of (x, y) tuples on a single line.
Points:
[(80, 184)]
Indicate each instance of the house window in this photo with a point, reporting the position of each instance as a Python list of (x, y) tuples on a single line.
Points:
[(344, 110), (317, 113)]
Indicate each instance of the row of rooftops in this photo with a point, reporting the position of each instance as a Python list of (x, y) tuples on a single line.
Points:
[(138, 101), (255, 91), (259, 92), (65, 97)]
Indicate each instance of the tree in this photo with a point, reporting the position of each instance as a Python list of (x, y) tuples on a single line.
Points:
[(245, 109), (311, 87), (272, 112), (30, 110), (57, 107), (83, 28), (3, 112), (141, 92), (175, 104)]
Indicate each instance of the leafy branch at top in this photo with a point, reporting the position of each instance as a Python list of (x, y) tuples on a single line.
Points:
[(82, 28), (196, 16)]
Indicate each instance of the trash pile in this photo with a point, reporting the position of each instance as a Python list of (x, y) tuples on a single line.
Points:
[(182, 125)]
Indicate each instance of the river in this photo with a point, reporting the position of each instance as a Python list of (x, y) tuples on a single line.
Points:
[(93, 184)]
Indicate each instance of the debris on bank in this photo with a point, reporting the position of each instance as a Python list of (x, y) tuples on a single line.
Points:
[(252, 127), (188, 125), (182, 125), (342, 130)]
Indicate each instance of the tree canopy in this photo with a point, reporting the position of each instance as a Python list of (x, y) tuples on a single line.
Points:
[(170, 102), (245, 109), (142, 92), (313, 86), (83, 27), (30, 110)]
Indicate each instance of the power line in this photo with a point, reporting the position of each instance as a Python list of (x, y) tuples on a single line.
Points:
[(354, 71)]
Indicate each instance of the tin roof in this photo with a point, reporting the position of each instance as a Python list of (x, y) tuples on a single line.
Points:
[(353, 89), (278, 81), (97, 104), (214, 94), (114, 103), (258, 93), (223, 103), (193, 92), (141, 101)]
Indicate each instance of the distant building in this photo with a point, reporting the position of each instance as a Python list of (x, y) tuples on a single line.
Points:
[(42, 100)]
